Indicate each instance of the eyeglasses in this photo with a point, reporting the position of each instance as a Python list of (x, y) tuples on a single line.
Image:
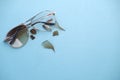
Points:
[(44, 21)]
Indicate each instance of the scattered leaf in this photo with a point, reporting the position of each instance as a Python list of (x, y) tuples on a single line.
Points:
[(47, 28), (48, 45), (58, 26), (33, 31), (55, 33)]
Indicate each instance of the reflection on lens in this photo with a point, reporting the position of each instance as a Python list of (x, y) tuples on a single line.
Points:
[(18, 36)]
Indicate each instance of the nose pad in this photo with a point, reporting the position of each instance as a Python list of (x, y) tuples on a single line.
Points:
[(32, 37)]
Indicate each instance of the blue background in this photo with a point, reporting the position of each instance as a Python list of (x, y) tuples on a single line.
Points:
[(89, 49)]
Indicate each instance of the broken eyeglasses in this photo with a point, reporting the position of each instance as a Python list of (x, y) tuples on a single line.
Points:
[(44, 21)]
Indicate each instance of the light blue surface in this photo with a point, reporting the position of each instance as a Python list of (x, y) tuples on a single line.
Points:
[(89, 49)]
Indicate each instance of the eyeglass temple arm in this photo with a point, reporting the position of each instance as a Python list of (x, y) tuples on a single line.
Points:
[(29, 21)]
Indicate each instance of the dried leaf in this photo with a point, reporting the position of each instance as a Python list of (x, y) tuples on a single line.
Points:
[(58, 26), (47, 28), (55, 33), (50, 20), (48, 45)]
